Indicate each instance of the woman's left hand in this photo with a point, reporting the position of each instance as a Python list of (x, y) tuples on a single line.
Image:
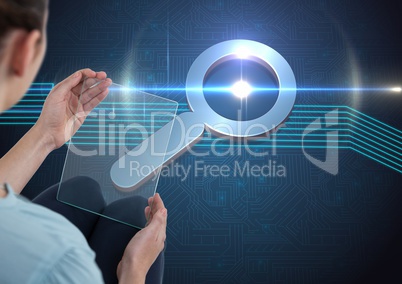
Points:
[(65, 109)]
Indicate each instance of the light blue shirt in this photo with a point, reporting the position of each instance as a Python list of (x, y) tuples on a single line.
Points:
[(38, 245)]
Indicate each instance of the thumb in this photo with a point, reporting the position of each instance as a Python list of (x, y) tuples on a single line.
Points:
[(159, 219), (70, 82), (73, 80)]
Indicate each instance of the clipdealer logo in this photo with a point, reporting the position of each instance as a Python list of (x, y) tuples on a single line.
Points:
[(238, 169), (270, 169)]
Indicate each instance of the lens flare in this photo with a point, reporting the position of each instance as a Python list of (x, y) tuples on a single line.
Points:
[(241, 89), (242, 52)]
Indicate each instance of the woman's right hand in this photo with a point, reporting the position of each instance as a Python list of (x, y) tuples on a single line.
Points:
[(143, 249)]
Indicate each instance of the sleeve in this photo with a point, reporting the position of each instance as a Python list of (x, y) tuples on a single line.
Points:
[(76, 266)]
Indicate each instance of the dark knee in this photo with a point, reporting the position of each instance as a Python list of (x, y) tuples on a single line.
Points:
[(82, 191), (129, 210)]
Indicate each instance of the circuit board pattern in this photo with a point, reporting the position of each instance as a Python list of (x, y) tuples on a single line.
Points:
[(306, 227)]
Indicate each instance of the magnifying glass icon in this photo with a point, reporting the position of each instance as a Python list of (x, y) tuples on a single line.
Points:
[(187, 128)]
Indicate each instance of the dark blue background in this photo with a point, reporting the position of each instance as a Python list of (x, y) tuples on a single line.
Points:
[(310, 227)]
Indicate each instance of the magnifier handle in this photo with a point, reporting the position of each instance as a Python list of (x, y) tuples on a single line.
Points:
[(184, 131)]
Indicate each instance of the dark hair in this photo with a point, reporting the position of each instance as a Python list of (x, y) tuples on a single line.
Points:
[(21, 14)]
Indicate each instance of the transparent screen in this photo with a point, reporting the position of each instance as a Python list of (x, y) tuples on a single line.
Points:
[(104, 172)]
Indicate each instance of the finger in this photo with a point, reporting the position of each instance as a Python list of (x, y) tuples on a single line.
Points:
[(87, 73), (72, 81), (69, 83), (101, 75), (159, 220), (148, 215), (94, 102), (94, 91), (157, 203), (89, 77), (73, 105), (147, 210)]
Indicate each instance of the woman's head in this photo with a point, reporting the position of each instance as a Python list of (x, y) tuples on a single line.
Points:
[(22, 46)]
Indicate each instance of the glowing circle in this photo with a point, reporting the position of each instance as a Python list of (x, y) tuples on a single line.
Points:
[(241, 89)]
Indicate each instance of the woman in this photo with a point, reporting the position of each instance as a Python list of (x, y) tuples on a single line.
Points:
[(38, 245)]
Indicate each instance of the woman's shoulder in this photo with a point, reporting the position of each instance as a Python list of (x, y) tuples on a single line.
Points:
[(36, 239), (41, 222)]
